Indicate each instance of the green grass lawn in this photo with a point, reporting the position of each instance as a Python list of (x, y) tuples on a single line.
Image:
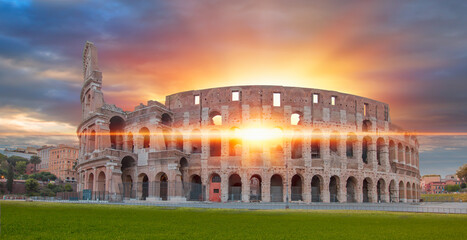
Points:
[(33, 220)]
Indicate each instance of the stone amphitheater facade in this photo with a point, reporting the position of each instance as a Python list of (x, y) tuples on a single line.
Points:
[(332, 147)]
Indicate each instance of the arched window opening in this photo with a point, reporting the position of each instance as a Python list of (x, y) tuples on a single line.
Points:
[(179, 141), (316, 189), (349, 145), (215, 143), (392, 151), (296, 119), (196, 141), (145, 134), (235, 188), (296, 188), (167, 138), (297, 145), (116, 132), (379, 150), (400, 156), (216, 118), (92, 141), (334, 142), (316, 144), (235, 142), (366, 126), (351, 189), (166, 119), (366, 186), (334, 189), (365, 148), (255, 188), (407, 155), (276, 188)]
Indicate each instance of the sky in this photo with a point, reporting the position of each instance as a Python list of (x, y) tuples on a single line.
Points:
[(409, 54)]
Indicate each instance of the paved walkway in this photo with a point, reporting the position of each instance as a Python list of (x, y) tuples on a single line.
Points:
[(438, 207)]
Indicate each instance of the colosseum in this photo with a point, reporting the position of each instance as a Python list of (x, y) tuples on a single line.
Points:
[(243, 143)]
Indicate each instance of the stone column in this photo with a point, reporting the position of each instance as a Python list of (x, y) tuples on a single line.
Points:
[(266, 188), (342, 191), (325, 153), (359, 190), (325, 194), (307, 188), (224, 187), (245, 187), (373, 193)]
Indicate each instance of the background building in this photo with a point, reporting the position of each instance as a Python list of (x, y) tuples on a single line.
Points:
[(62, 159), (44, 153)]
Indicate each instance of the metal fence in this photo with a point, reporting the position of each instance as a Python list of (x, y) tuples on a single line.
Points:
[(162, 191)]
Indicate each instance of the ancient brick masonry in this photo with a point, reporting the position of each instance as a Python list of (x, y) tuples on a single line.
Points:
[(333, 147)]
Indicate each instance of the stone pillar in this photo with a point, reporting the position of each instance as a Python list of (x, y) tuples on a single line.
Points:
[(224, 187), (307, 188), (373, 193), (266, 188), (342, 190), (359, 190), (358, 151), (245, 187), (325, 194), (325, 153)]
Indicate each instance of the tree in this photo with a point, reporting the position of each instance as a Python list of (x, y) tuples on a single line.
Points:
[(68, 188), (32, 187), (452, 188), (43, 176), (35, 160), (463, 185), (21, 167), (10, 177), (462, 172)]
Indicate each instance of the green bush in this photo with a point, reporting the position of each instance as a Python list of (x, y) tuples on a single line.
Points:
[(68, 188), (452, 188), (32, 186), (463, 185), (47, 192), (43, 176)]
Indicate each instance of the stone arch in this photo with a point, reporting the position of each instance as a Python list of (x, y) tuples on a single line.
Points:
[(143, 181), (366, 126), (401, 191), (215, 187), (91, 182), (297, 188), (379, 150), (195, 141), (408, 191), (276, 188), (183, 168), (412, 157), (166, 119), (235, 187), (392, 151), (146, 134), (178, 141), (101, 182), (351, 186), (215, 143), (167, 134), (414, 193), (116, 127), (296, 118), (255, 188), (163, 181), (381, 190), (196, 188), (400, 154), (215, 118), (334, 188), (92, 141), (316, 139), (297, 144), (350, 145), (366, 143), (334, 140), (235, 142), (316, 186), (367, 186)]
